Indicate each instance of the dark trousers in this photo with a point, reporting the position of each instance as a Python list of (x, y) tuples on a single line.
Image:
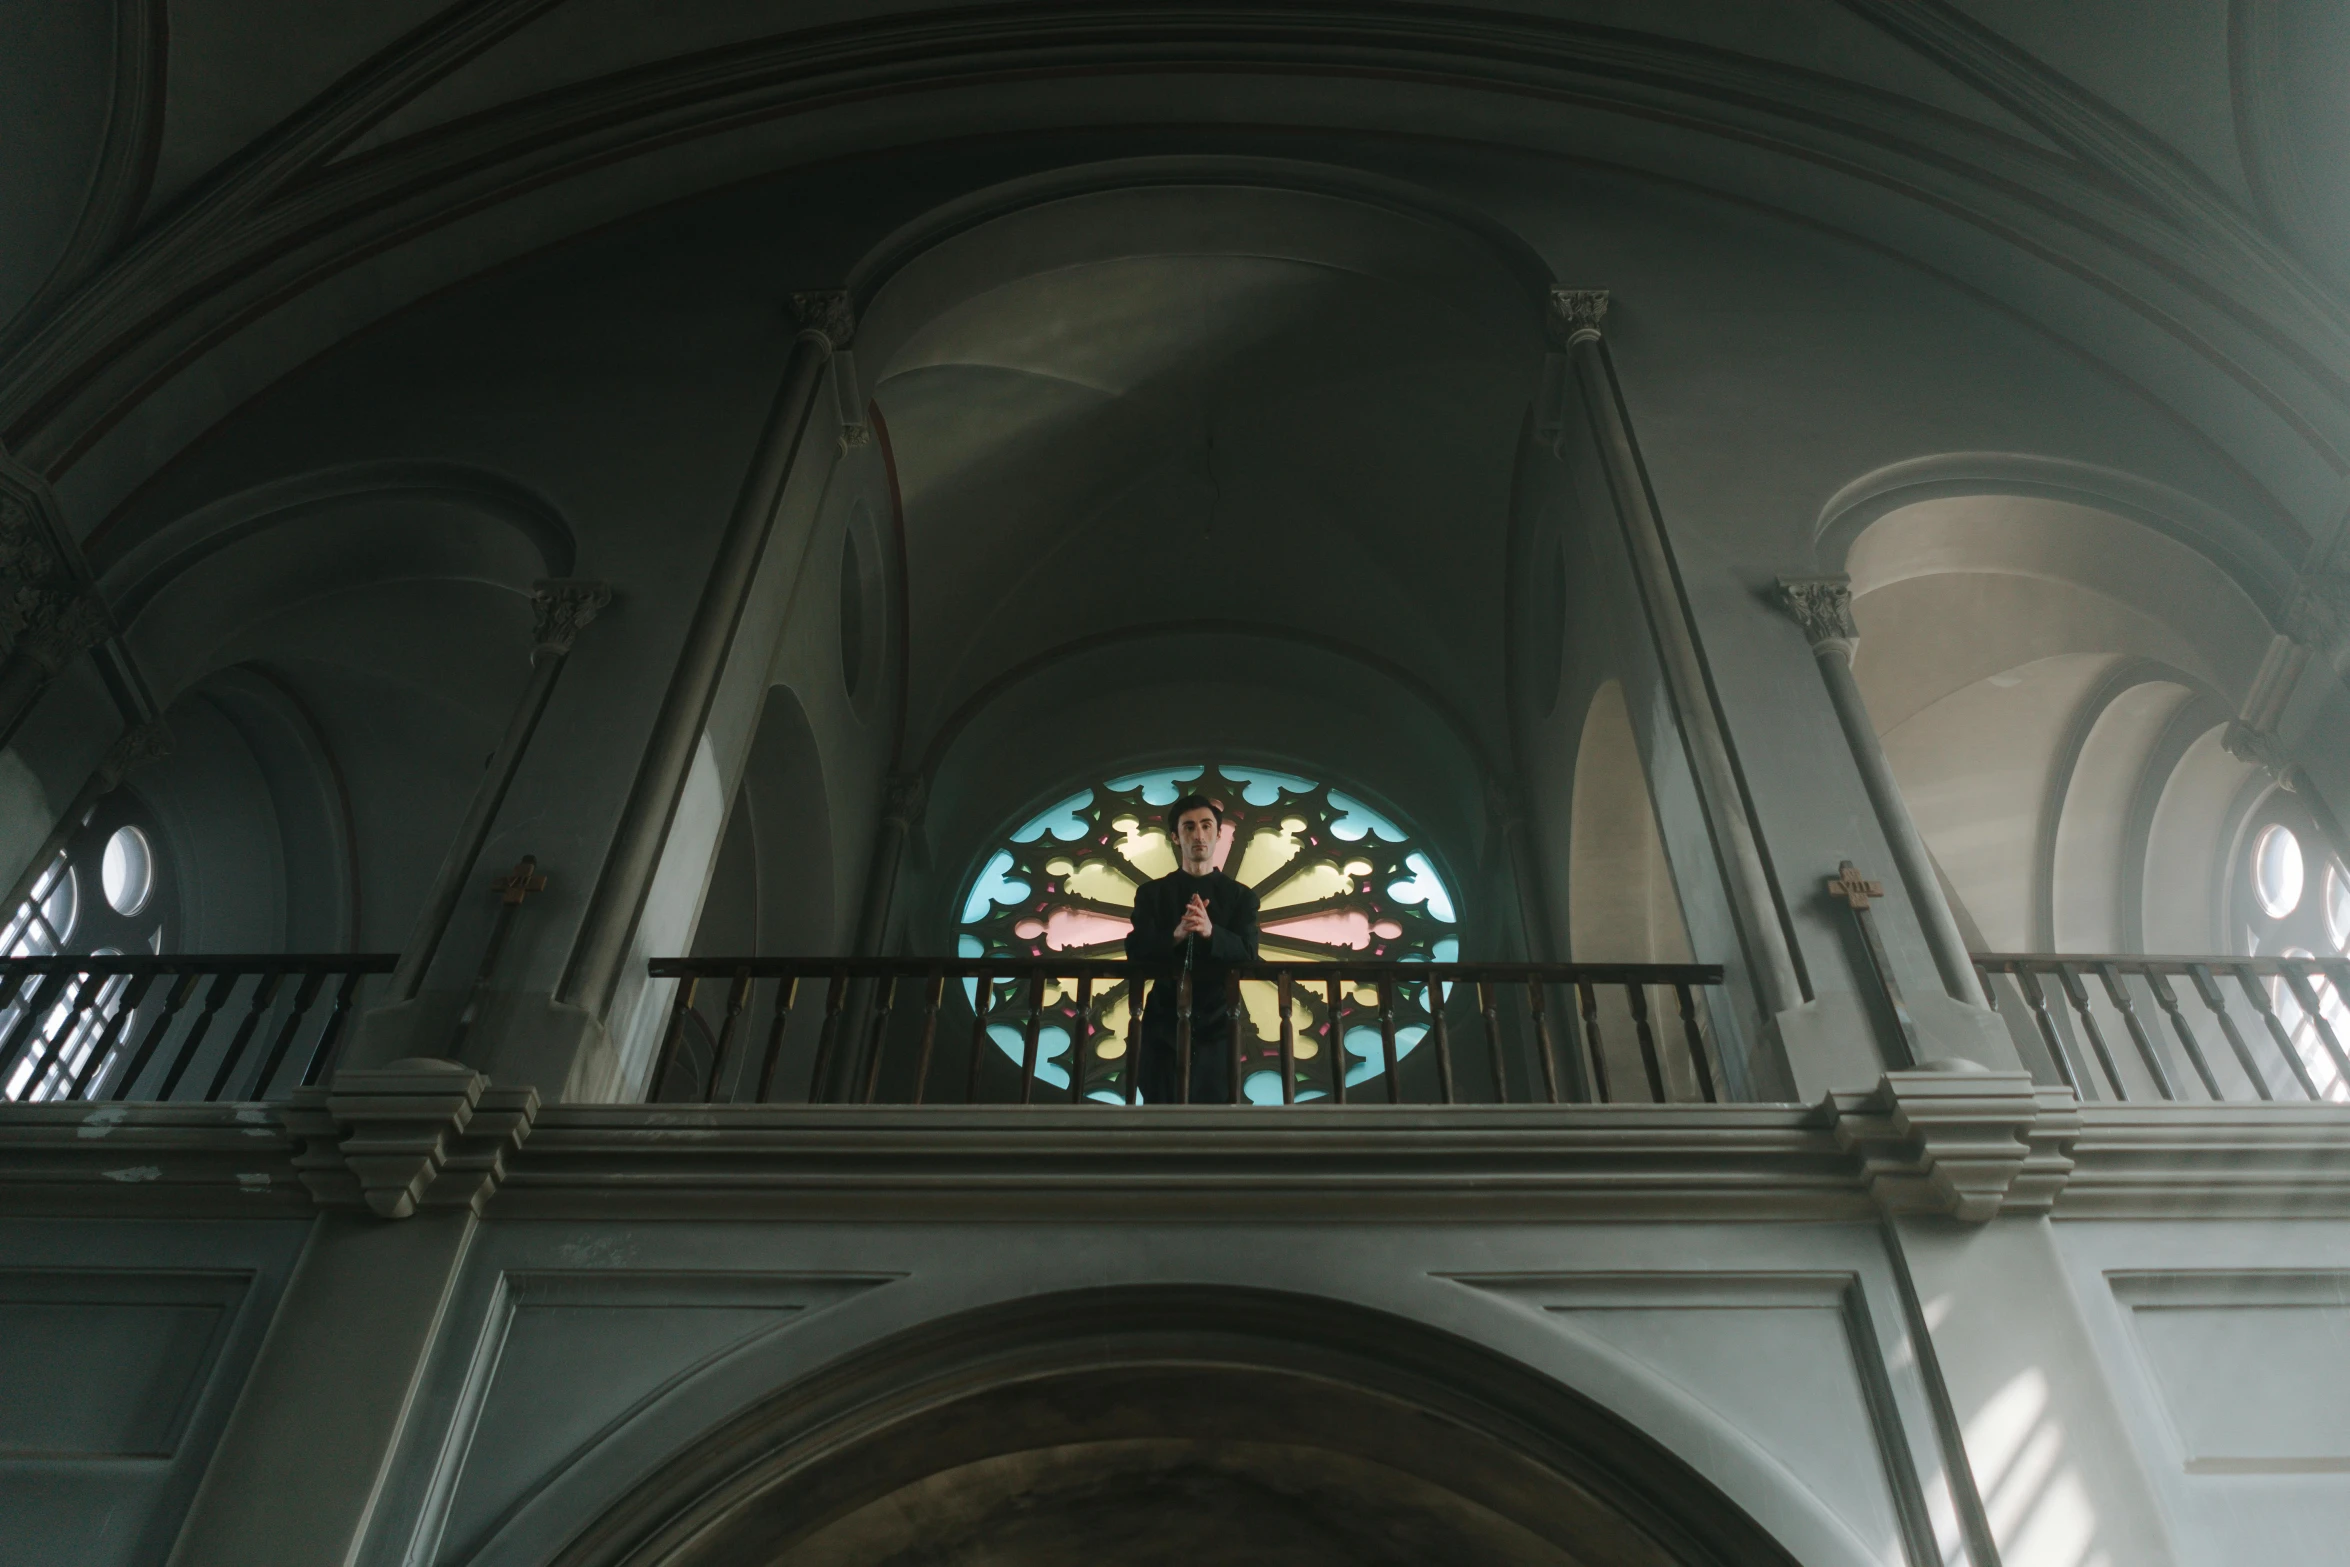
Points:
[(1211, 1066)]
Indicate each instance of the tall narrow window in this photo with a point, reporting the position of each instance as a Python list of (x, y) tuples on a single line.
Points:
[(1335, 877), (107, 891), (2291, 894)]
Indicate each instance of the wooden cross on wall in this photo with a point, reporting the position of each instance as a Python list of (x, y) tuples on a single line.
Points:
[(1855, 889), (520, 882)]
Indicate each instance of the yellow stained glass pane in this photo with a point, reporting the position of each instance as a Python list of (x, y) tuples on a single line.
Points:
[(1268, 851), (1110, 1043), (1095, 879), (1315, 883), (1261, 999), (1148, 852), (1275, 951)]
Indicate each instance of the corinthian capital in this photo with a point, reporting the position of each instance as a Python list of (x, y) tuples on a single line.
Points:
[(826, 314), (561, 608), (1822, 606), (904, 799), (1575, 312), (54, 626)]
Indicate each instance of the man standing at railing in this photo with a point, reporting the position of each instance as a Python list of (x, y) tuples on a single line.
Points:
[(1200, 918)]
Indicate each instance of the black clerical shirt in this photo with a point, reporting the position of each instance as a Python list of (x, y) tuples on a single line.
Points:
[(1232, 912)]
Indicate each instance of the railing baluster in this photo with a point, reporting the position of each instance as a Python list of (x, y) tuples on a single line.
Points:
[(2306, 993), (2118, 993), (2256, 990), (1489, 1013), (305, 994), (1083, 1038), (1029, 1035), (2208, 989), (1232, 1032), (671, 1037), (1695, 1035), (1133, 1057), (1281, 993), (738, 996), (1637, 996), (880, 1035), (2076, 993), (1386, 990), (1590, 1007), (264, 992), (932, 990), (787, 991), (1440, 1036), (331, 1032), (126, 1007), (182, 988), (1183, 1036), (1336, 1043), (982, 1001), (50, 1044), (26, 1030), (214, 998), (1542, 1044), (2036, 999), (2168, 999), (836, 996)]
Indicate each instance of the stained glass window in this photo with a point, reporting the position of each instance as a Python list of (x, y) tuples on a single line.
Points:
[(1335, 877), (2293, 897)]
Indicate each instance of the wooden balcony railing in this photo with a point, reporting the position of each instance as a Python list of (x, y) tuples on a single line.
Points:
[(145, 1027), (919, 1030), (2211, 1028)]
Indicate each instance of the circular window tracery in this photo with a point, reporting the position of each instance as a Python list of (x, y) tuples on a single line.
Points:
[(1335, 876)]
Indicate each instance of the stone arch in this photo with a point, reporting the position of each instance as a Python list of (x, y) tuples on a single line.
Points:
[(1116, 1406)]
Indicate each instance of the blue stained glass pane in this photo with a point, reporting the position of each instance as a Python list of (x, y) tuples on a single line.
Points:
[(1265, 787), (1448, 950), (1158, 788), (970, 946), (1050, 1042), (1062, 821), (1360, 819), (993, 886), (1261, 1088), (1364, 1042), (1424, 885), (1106, 1096)]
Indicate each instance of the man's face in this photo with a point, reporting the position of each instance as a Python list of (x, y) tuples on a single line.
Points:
[(1195, 839)]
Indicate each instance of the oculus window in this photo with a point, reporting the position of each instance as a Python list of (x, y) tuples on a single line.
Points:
[(1335, 877), (2291, 894)]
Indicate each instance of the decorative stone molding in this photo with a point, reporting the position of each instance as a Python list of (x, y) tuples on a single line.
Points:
[(418, 1133), (561, 608), (1574, 313), (2318, 615), (1970, 1144), (827, 314), (903, 800), (1822, 606), (137, 747)]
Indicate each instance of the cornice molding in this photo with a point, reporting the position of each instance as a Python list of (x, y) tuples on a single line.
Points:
[(1962, 1144), (289, 214)]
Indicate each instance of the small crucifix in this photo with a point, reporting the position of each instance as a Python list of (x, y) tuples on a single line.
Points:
[(1856, 892), (520, 882)]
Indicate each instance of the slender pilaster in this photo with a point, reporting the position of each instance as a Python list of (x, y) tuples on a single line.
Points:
[(825, 326), (561, 609), (1823, 607), (1754, 906), (901, 812)]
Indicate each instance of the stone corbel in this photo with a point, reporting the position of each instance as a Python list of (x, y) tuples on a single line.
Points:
[(1969, 1144), (417, 1133), (2316, 630)]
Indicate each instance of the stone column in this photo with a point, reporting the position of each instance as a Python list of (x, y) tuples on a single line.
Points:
[(1575, 315), (561, 609), (901, 812), (825, 326), (1823, 607), (134, 749)]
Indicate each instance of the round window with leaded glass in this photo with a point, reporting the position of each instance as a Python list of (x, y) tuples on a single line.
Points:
[(1335, 876)]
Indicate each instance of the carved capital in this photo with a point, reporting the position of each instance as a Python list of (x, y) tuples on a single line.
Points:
[(1574, 313), (25, 552), (561, 607), (137, 747), (2318, 614), (55, 625), (826, 314), (904, 798), (1969, 1144), (1822, 606), (419, 1133), (2260, 747)]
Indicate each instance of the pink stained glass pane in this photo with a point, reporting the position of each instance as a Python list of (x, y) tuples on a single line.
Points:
[(1066, 928), (1345, 928)]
